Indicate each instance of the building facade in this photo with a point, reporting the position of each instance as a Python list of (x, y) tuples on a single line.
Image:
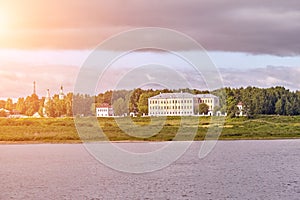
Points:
[(211, 100), (180, 104), (240, 107), (104, 111)]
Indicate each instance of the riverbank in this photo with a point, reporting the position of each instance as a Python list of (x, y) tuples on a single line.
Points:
[(63, 130)]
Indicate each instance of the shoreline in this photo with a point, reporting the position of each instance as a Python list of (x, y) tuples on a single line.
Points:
[(139, 141), (64, 131)]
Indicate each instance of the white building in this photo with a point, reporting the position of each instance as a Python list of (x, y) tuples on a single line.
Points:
[(61, 94), (211, 100), (104, 111), (179, 104), (240, 106)]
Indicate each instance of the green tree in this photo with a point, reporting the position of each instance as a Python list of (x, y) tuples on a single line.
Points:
[(21, 105), (221, 93), (49, 108), (82, 104), (3, 113), (279, 107), (2, 103), (41, 107), (32, 104), (69, 104), (232, 108), (216, 109), (134, 99), (59, 106), (203, 108), (120, 107), (288, 108), (105, 98), (143, 100), (9, 104)]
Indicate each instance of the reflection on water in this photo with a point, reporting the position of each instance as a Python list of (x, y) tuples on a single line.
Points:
[(234, 170)]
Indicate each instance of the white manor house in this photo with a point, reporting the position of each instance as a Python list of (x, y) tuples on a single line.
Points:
[(180, 104)]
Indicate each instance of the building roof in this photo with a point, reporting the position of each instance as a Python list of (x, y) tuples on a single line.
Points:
[(37, 115), (172, 96), (181, 95), (206, 96), (104, 105)]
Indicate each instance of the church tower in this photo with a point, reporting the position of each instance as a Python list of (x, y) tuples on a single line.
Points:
[(34, 87), (61, 95), (47, 99)]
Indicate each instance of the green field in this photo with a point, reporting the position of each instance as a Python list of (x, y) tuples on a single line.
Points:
[(63, 130)]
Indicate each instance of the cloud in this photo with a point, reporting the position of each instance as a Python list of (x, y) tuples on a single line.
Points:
[(257, 27), (17, 79), (263, 77)]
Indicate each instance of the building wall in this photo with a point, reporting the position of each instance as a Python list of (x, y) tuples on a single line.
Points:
[(212, 102), (104, 112), (171, 107), (177, 104)]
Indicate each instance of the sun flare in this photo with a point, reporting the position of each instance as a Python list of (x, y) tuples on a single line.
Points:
[(4, 21)]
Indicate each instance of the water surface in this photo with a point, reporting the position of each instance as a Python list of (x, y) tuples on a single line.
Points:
[(234, 170)]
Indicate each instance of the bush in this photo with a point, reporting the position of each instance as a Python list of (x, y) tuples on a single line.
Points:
[(3, 113)]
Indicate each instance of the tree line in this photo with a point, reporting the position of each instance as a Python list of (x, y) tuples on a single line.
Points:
[(33, 104), (269, 101)]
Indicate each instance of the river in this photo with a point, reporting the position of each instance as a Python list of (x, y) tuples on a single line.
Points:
[(265, 169)]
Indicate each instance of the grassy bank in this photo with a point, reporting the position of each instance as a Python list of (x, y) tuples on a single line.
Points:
[(63, 130)]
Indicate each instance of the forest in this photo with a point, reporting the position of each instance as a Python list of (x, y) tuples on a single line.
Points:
[(266, 101)]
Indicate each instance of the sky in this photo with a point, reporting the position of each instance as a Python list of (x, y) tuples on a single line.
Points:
[(251, 43)]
